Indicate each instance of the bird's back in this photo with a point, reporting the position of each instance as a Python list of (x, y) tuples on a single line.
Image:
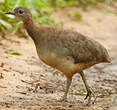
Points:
[(72, 43), (66, 50)]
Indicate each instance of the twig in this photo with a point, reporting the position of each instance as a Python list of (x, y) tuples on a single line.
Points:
[(30, 82)]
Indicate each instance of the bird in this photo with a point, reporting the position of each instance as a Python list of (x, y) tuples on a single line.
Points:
[(66, 50)]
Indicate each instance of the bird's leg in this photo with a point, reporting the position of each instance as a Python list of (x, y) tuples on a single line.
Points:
[(67, 89), (89, 90)]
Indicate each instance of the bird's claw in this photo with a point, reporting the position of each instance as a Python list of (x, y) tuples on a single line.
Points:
[(89, 93)]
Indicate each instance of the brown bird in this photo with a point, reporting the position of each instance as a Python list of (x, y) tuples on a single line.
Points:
[(68, 51)]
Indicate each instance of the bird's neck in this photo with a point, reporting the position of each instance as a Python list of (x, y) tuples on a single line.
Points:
[(31, 28)]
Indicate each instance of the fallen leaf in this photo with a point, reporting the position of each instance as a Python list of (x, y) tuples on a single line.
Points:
[(13, 52)]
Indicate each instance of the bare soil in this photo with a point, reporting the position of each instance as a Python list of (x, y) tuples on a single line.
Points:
[(20, 74)]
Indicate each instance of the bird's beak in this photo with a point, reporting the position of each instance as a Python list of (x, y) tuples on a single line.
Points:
[(10, 12)]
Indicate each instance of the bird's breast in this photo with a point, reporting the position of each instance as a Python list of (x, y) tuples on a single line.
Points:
[(64, 64)]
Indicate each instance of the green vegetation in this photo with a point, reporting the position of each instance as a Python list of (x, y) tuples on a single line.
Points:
[(97, 95), (41, 10), (13, 52)]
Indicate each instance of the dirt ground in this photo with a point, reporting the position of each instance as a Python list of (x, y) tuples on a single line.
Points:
[(19, 74)]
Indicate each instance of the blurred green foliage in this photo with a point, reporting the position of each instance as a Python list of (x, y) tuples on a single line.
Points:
[(41, 11), (13, 52)]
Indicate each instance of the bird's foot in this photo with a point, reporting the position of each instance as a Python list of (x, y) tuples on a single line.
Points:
[(89, 93)]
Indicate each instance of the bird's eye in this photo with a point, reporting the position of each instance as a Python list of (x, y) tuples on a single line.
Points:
[(21, 11)]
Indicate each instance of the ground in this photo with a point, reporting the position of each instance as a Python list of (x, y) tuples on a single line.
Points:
[(20, 74)]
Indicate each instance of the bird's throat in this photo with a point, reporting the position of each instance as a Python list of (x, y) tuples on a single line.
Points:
[(30, 27)]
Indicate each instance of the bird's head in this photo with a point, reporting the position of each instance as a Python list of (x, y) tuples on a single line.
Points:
[(21, 12)]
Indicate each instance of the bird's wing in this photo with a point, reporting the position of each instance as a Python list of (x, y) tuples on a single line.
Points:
[(73, 44), (82, 48)]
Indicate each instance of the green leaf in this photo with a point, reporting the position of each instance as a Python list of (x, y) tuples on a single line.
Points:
[(16, 27), (13, 52), (78, 16), (11, 16), (17, 3), (6, 24)]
